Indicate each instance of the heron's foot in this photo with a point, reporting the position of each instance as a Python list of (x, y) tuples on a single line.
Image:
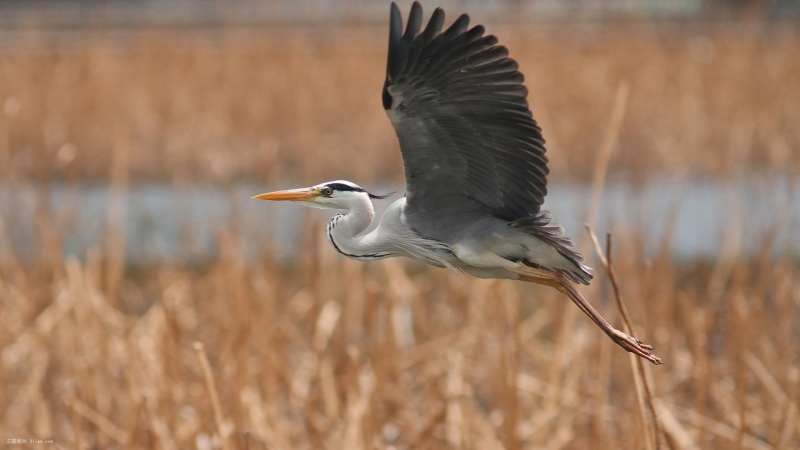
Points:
[(634, 345)]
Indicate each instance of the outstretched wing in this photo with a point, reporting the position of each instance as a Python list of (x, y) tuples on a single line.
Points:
[(470, 145)]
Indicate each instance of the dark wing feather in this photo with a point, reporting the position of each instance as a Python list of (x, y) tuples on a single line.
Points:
[(470, 145)]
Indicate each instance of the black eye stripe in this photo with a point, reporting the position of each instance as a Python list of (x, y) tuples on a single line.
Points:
[(341, 187)]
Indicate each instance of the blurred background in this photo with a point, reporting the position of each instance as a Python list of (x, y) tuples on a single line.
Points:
[(133, 134)]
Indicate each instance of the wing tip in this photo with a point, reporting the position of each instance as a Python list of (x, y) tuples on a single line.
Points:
[(414, 22), (398, 48), (435, 24), (395, 23), (458, 27)]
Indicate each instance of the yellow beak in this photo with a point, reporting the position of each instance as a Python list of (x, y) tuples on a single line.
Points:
[(303, 194)]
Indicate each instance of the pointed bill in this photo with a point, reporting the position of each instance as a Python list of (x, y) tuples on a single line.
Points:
[(302, 194)]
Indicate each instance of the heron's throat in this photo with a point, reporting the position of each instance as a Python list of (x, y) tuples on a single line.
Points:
[(344, 231)]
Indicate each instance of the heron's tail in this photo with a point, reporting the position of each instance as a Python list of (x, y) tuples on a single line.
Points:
[(541, 226)]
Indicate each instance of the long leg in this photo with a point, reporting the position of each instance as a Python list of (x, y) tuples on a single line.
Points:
[(558, 281)]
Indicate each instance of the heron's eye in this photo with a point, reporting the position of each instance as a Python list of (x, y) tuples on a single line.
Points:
[(327, 191)]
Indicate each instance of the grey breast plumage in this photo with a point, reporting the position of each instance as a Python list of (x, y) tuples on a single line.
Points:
[(470, 146)]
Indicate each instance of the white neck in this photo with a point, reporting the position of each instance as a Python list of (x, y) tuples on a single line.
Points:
[(344, 230)]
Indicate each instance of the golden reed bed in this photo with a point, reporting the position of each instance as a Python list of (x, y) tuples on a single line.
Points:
[(333, 353), (278, 102)]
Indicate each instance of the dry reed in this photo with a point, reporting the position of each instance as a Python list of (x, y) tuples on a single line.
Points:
[(272, 103), (316, 357)]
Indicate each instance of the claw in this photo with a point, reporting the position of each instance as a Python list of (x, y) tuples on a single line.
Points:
[(635, 346)]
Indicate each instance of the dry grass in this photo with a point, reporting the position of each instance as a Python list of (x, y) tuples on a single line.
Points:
[(334, 353), (278, 103)]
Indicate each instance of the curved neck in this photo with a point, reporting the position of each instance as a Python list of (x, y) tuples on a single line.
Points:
[(344, 231)]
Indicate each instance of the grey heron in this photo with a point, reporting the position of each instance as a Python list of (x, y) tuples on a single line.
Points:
[(475, 169)]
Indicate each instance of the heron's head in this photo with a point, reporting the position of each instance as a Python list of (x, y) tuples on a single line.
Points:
[(338, 194)]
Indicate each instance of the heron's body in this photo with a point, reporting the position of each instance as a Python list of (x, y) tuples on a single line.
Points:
[(475, 167), (486, 248)]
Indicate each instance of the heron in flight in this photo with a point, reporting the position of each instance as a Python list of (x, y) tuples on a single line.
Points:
[(475, 169)]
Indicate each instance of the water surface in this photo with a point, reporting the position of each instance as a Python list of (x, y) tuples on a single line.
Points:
[(162, 222)]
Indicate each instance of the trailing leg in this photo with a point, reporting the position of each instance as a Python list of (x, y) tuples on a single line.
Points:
[(559, 282)]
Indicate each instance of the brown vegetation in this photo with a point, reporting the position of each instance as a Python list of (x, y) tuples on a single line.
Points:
[(278, 103), (333, 353)]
